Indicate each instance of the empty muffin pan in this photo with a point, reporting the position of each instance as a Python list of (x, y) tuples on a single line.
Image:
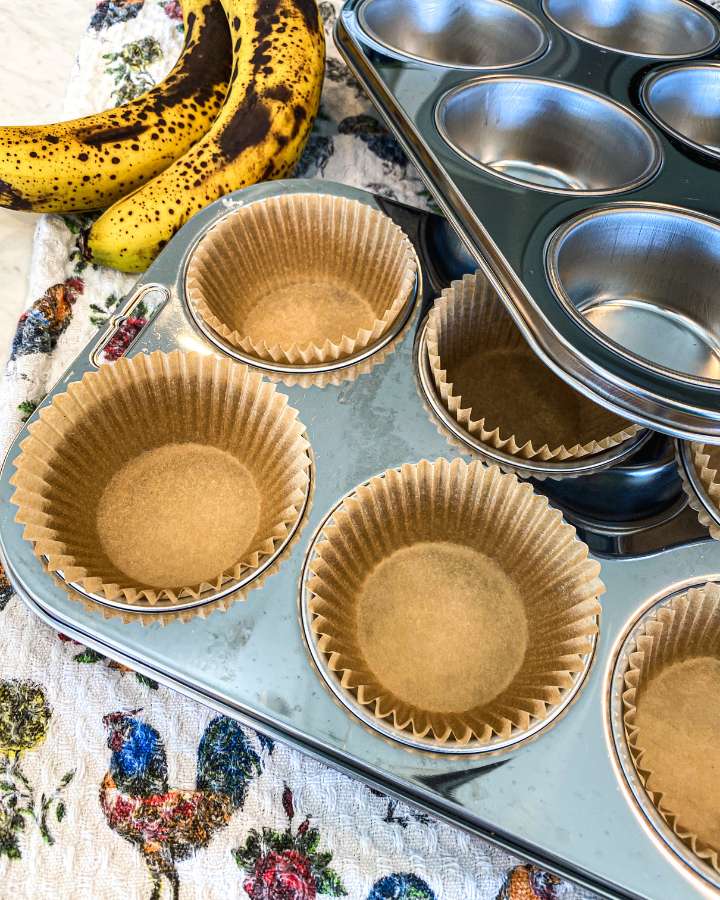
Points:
[(645, 279), (469, 557), (663, 29), (548, 135), (472, 34), (684, 101), (597, 123)]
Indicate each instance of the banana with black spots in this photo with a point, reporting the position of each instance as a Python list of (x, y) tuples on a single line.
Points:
[(272, 100), (91, 162)]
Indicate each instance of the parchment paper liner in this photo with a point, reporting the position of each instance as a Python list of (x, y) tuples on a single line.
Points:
[(468, 318), (685, 628), (475, 507), (171, 615), (320, 253), (706, 459), (177, 402)]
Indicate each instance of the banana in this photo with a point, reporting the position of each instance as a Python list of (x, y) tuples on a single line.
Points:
[(272, 100), (91, 162)]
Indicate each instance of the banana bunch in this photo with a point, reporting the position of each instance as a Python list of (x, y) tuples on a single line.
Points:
[(272, 99), (91, 162), (234, 111)]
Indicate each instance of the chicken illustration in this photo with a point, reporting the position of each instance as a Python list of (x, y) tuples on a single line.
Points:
[(164, 823)]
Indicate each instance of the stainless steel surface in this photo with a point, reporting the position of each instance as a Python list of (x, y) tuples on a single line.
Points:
[(548, 135), (640, 491), (484, 34), (527, 468), (645, 279), (623, 758), (684, 100), (555, 800), (384, 727), (664, 29), (505, 225)]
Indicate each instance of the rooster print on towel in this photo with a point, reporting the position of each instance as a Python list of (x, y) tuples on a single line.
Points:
[(167, 824)]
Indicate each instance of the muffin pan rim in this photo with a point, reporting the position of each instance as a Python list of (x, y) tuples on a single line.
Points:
[(625, 770), (651, 171), (413, 57), (382, 726)]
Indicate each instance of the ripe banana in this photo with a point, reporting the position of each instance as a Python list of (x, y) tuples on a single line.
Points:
[(272, 99), (91, 162)]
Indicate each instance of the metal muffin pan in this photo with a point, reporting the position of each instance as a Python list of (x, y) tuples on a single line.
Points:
[(512, 157), (509, 126), (645, 279), (252, 662)]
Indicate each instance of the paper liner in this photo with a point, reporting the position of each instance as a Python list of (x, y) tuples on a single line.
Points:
[(302, 278), (672, 715), (185, 615), (706, 460), (499, 391), (453, 600), (349, 373), (162, 476)]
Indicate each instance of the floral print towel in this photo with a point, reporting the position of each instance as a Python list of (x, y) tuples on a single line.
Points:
[(112, 786)]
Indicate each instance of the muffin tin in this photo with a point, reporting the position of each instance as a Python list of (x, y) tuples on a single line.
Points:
[(555, 797), (581, 172)]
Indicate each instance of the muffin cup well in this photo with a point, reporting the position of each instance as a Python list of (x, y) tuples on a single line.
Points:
[(672, 712), (452, 600), (162, 477), (492, 383), (302, 279)]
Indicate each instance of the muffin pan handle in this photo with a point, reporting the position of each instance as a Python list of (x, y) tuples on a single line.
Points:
[(125, 327)]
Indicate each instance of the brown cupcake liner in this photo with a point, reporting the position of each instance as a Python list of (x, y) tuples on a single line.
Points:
[(203, 611), (302, 278), (394, 592), (671, 715), (162, 477), (706, 460), (495, 387), (349, 373)]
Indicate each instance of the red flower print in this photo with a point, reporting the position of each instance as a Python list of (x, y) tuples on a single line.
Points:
[(173, 10), (284, 875)]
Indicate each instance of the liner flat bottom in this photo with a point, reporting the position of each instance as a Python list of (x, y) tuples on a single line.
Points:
[(442, 626), (178, 514)]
